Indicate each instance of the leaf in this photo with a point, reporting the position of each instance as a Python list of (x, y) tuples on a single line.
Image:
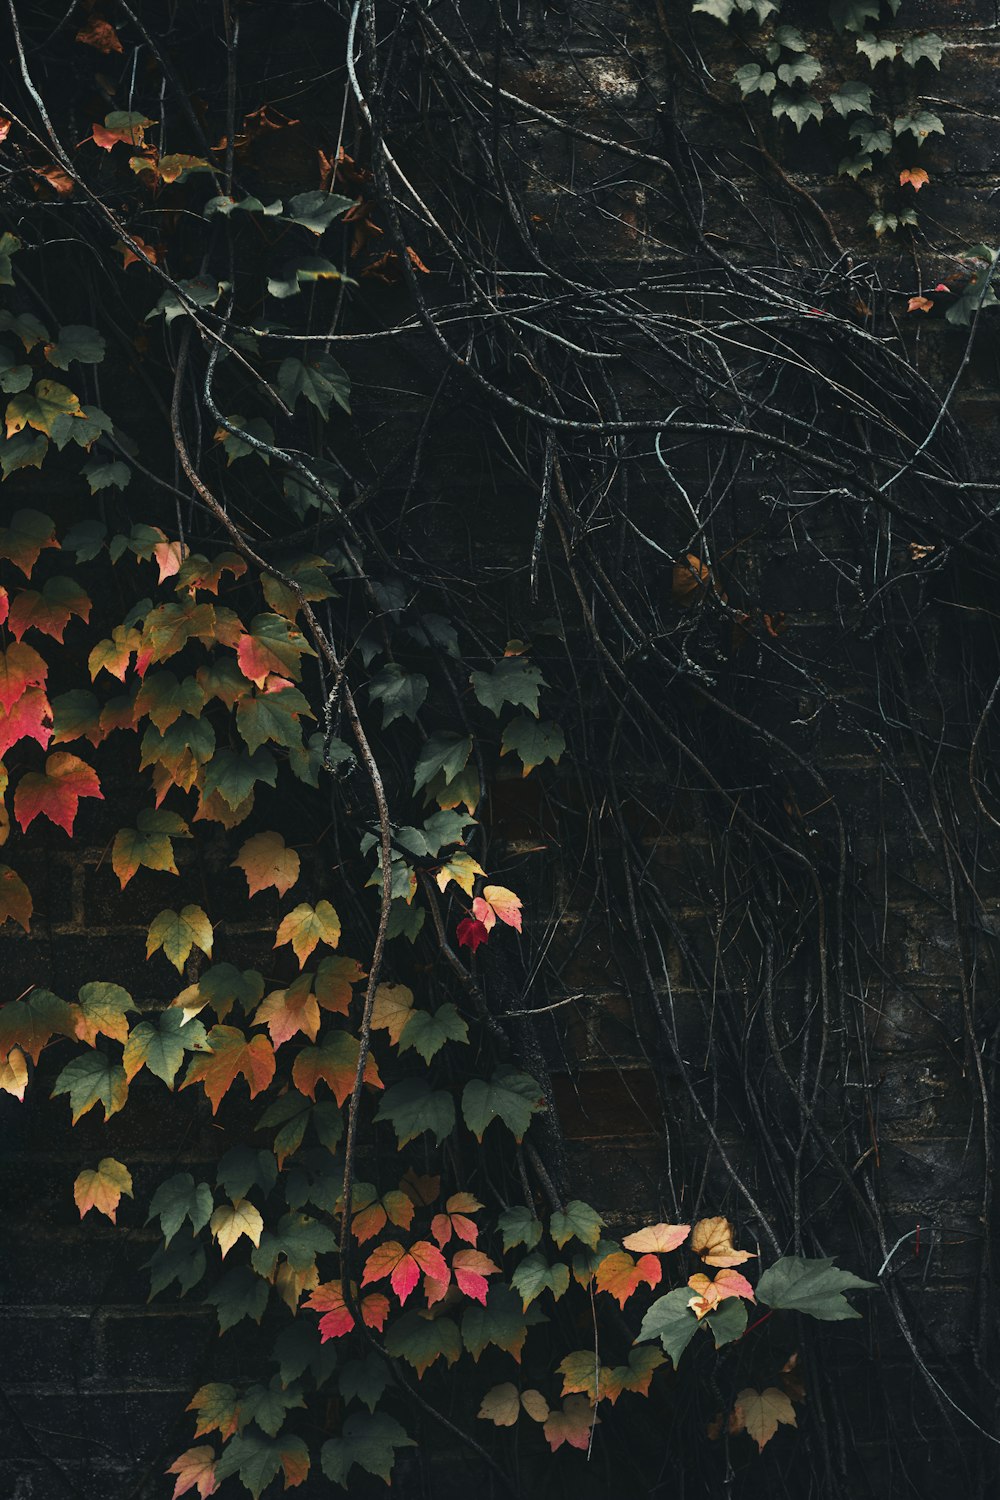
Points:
[(916, 46), (148, 845), (876, 49), (56, 793), (427, 1032), (870, 137), (160, 1046), (670, 1320), (392, 1009), (50, 610), (306, 926), (306, 270), (501, 1405), (442, 755), (422, 1340), (752, 79), (712, 1239), (496, 901), (709, 1293), (177, 932), (404, 1267), (470, 1269), (372, 1213), (266, 861), (231, 1221), (412, 1106), (510, 1096), (519, 1226), (15, 898), (801, 68), (121, 126), (76, 342), (316, 211), (31, 1022), (620, 1275), (635, 1376), (21, 668), (368, 1440), (577, 1221), (916, 178), (102, 1188), (534, 1276), (815, 1287), (852, 98), (471, 933), (14, 1073), (13, 376), (335, 1062), (22, 452), (919, 125), (799, 108), (533, 741), (658, 1239), (337, 1320), (287, 1012), (320, 380), (500, 1322), (455, 1220), (41, 408), (232, 1055), (759, 1412), (401, 694), (267, 1406), (728, 1321), (513, 680), (258, 1459), (574, 1423), (195, 1469), (92, 1079), (234, 776), (177, 1199)]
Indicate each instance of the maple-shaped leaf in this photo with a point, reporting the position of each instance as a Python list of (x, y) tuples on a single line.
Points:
[(759, 1412), (470, 1269), (657, 1239), (21, 668), (287, 1012), (15, 899), (412, 1106), (148, 845), (371, 1213), (334, 978), (635, 1376), (455, 1220), (421, 1340), (576, 1221), (519, 1226), (258, 1460), (496, 901), (500, 1322), (195, 1469), (337, 1318), (708, 1294), (535, 1275), (231, 1221), (102, 1188), (31, 1023), (471, 933), (216, 1408), (121, 126), (712, 1239), (513, 680), (78, 715), (510, 1096), (266, 860), (42, 408), (272, 646), (273, 716), (810, 1286), (29, 718), (162, 697), (14, 1073), (232, 1055), (160, 1046), (306, 926), (114, 654), (222, 986), (533, 741), (392, 1009), (368, 1440), (50, 610), (92, 1079), (404, 1266), (177, 932), (334, 1062), (56, 792), (427, 1031), (620, 1275), (573, 1424), (583, 1373), (27, 533)]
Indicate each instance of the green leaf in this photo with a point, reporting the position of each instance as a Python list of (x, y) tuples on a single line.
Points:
[(25, 451), (320, 380), (160, 1046), (426, 1032), (412, 1106), (226, 206), (853, 15), (177, 932), (670, 1320), (533, 741), (799, 108), (184, 1262), (273, 717), (180, 1198), (810, 1286), (422, 1340), (576, 1221), (926, 45), (790, 37), (400, 693), (728, 1321), (102, 475), (243, 1168), (500, 1321), (299, 273), (510, 1096), (24, 326), (513, 680), (534, 1276), (236, 446), (200, 293), (268, 1405), (316, 211), (298, 1240), (258, 1459), (234, 776), (298, 1349), (9, 245), (13, 377), (876, 49), (870, 137), (920, 125), (799, 69), (753, 80), (237, 1295), (852, 98), (364, 1380), (443, 754), (76, 342), (720, 10), (370, 1441), (519, 1226), (92, 1079)]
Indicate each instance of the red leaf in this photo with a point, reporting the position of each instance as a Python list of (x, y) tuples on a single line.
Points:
[(403, 1267), (337, 1319), (20, 667), (30, 718), (471, 933), (471, 1268), (56, 793)]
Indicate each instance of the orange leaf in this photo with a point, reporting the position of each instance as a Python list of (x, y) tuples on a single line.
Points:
[(232, 1054), (30, 718), (56, 793), (334, 1062), (15, 898), (659, 1239), (103, 36), (265, 861), (496, 901), (195, 1469), (470, 1269), (708, 1294), (915, 176), (287, 1012), (403, 1267), (690, 579), (920, 304), (102, 1188), (620, 1275), (573, 1424), (306, 926)]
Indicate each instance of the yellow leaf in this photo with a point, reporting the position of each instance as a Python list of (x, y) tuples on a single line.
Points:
[(233, 1220), (308, 925), (392, 1009), (712, 1239), (761, 1411), (102, 1189)]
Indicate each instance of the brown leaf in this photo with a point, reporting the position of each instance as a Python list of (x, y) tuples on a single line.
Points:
[(690, 578), (100, 34)]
